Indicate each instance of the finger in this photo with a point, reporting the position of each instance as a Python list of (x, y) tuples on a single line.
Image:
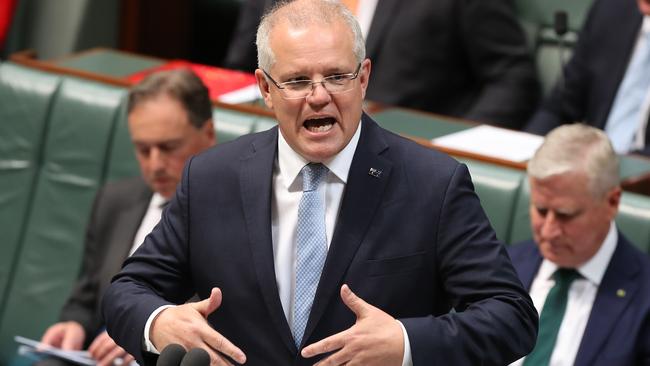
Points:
[(216, 359), (359, 307), (338, 358), (53, 336), (209, 305), (103, 346), (329, 344), (114, 355), (223, 345), (96, 343)]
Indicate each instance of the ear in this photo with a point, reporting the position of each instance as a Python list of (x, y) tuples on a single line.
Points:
[(364, 76), (208, 131), (264, 86), (613, 200)]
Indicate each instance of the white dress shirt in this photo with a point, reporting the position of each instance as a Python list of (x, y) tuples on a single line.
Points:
[(582, 294), (149, 221)]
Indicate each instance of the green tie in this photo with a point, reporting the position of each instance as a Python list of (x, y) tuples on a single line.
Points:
[(551, 317)]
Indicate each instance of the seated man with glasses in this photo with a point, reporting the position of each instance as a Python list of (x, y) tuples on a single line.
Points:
[(326, 238)]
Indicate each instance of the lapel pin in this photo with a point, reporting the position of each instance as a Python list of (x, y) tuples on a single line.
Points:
[(374, 172), (620, 292)]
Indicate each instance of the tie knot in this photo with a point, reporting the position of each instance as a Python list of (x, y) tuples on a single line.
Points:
[(565, 276), (312, 174)]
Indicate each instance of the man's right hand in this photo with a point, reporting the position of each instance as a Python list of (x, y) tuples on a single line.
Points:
[(188, 326), (69, 336)]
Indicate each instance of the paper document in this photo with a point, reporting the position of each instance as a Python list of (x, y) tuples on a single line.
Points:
[(494, 142), (78, 357)]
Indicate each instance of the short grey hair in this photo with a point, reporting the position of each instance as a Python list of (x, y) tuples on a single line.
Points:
[(300, 13), (578, 148)]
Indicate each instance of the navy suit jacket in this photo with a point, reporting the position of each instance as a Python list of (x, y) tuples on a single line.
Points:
[(412, 241), (464, 58), (594, 73), (618, 330)]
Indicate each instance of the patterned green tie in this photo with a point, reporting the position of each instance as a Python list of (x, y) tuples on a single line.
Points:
[(551, 317)]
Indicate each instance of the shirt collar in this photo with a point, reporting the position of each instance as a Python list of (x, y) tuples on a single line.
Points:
[(593, 269), (290, 162), (157, 200), (645, 25)]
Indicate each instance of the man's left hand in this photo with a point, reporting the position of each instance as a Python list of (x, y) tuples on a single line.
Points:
[(375, 339)]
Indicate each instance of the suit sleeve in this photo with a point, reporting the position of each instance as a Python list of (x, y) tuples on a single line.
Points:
[(82, 304), (496, 49), (159, 266), (493, 321)]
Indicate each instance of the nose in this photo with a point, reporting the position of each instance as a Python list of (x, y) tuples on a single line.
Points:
[(157, 159), (550, 227), (319, 96)]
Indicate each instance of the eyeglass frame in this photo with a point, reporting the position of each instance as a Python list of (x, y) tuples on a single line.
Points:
[(281, 86)]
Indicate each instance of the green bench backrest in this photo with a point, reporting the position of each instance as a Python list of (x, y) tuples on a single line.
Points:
[(25, 101), (80, 124)]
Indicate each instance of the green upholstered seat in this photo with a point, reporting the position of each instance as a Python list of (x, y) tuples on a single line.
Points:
[(25, 101), (121, 156), (498, 189), (633, 219), (74, 157), (231, 124)]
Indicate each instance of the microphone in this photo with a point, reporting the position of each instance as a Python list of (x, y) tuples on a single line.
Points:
[(196, 357), (171, 355), (561, 27)]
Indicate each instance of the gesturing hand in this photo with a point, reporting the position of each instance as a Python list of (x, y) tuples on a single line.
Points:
[(375, 339), (187, 325)]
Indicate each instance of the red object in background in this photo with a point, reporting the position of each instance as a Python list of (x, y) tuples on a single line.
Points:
[(218, 80), (7, 8)]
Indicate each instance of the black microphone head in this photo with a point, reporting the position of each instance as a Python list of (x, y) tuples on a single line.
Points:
[(171, 355), (560, 22), (196, 357)]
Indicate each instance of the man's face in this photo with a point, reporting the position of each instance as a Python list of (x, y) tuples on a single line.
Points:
[(164, 139), (644, 6), (568, 222), (320, 125)]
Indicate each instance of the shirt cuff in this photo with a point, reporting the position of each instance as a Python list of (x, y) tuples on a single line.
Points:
[(148, 346), (407, 360)]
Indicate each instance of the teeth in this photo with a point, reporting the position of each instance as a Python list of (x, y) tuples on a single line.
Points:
[(323, 128)]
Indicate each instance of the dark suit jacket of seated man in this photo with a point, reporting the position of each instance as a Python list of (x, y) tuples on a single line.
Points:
[(463, 58), (587, 89), (409, 238)]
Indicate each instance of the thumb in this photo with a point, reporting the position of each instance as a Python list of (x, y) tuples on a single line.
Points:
[(359, 307), (209, 305)]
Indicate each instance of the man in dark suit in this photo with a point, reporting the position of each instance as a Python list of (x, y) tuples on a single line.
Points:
[(574, 198), (170, 119), (464, 58), (398, 224), (594, 89)]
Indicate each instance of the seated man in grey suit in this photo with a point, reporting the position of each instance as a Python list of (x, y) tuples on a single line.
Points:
[(590, 285), (606, 84), (170, 119)]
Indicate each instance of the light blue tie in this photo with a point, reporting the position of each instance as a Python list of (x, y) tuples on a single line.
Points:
[(311, 246), (624, 118)]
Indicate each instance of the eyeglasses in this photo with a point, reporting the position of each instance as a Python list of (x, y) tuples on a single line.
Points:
[(298, 89)]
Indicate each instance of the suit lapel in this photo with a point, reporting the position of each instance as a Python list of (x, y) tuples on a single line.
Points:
[(128, 222), (256, 187), (363, 194), (381, 21), (610, 302)]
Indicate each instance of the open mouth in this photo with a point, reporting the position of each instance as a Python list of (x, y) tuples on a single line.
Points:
[(323, 124)]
